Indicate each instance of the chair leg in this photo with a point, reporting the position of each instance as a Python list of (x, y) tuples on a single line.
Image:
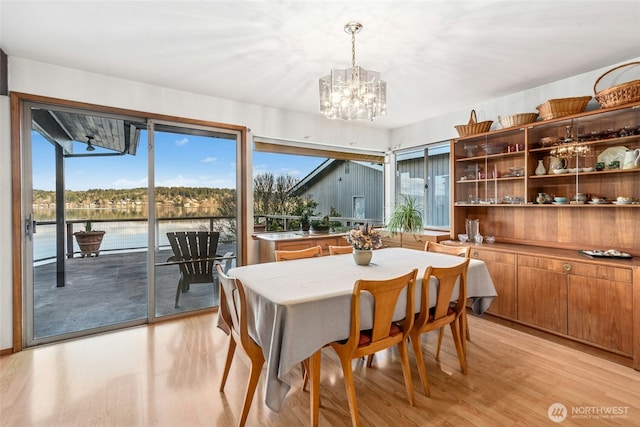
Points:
[(458, 340), (440, 335), (254, 376), (406, 371), (464, 332), (347, 372), (227, 364), (304, 366), (180, 284), (417, 349), (370, 360)]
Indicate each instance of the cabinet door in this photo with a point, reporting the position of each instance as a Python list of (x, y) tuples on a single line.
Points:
[(601, 312), (502, 269), (542, 298), (330, 241), (295, 245)]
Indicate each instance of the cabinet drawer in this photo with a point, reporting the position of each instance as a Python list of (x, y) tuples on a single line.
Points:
[(492, 256), (601, 272), (295, 245), (548, 264), (615, 274)]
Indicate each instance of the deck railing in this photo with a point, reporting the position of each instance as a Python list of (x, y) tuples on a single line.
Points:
[(126, 235)]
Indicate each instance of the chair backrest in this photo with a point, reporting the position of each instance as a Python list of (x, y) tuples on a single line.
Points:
[(283, 255), (226, 261), (338, 250), (447, 279), (233, 307), (194, 250), (462, 251), (385, 295)]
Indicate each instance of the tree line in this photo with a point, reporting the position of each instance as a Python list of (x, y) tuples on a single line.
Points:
[(270, 196)]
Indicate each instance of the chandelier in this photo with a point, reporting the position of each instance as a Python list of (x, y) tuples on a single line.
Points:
[(354, 93)]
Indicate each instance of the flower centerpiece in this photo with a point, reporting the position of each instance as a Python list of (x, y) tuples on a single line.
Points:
[(364, 240)]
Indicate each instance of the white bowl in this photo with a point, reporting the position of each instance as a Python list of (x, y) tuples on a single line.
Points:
[(559, 171), (490, 239)]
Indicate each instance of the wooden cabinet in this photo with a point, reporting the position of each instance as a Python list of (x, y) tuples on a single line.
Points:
[(495, 181), (502, 267), (600, 307), (593, 301), (542, 293), (268, 244), (412, 240)]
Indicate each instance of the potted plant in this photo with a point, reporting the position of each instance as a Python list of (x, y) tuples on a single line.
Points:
[(305, 224), (364, 240), (89, 240), (321, 226), (405, 217)]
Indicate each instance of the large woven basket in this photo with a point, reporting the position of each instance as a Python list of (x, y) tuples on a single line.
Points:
[(517, 119), (561, 107), (621, 94), (474, 127)]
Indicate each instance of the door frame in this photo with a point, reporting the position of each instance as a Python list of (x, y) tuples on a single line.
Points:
[(18, 240)]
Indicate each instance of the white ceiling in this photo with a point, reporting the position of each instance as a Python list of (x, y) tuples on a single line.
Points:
[(436, 56)]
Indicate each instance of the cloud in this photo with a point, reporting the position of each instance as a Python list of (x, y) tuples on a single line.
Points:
[(129, 183), (209, 159), (182, 141)]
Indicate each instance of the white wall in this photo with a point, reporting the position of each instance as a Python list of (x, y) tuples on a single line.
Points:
[(442, 128), (6, 295)]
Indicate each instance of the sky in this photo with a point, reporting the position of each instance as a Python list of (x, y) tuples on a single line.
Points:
[(180, 160)]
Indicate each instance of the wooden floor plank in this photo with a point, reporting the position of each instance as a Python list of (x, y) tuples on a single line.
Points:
[(168, 374)]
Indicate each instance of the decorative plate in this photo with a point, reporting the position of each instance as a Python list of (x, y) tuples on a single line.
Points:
[(599, 253), (611, 154)]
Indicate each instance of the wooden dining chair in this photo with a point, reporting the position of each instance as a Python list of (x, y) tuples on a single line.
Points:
[(195, 254), (442, 314), (339, 250), (284, 255), (382, 296), (462, 251), (233, 309)]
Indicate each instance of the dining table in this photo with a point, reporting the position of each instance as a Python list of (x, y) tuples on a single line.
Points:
[(297, 307)]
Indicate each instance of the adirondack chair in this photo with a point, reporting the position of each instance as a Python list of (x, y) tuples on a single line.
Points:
[(195, 254)]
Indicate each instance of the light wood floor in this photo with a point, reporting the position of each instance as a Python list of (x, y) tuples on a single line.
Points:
[(168, 374)]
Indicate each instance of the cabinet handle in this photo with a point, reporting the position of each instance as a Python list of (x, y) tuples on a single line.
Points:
[(566, 267), (475, 254)]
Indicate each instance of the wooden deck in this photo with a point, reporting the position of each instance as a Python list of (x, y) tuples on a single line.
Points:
[(108, 290)]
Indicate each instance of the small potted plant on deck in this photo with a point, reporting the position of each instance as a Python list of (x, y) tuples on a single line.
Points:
[(89, 240)]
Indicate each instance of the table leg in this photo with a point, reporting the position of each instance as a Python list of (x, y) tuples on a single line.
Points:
[(314, 377)]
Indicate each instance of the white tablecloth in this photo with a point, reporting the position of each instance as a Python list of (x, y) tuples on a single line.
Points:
[(296, 307)]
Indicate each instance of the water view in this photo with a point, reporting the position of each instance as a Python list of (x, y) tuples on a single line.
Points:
[(126, 229)]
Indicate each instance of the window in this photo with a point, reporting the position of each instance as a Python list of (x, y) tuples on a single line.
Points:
[(432, 192)]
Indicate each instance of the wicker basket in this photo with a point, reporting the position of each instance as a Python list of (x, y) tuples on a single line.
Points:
[(621, 94), (474, 127), (561, 107), (517, 119)]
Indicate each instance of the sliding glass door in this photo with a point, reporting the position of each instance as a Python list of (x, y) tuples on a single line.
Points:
[(102, 192), (195, 191)]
